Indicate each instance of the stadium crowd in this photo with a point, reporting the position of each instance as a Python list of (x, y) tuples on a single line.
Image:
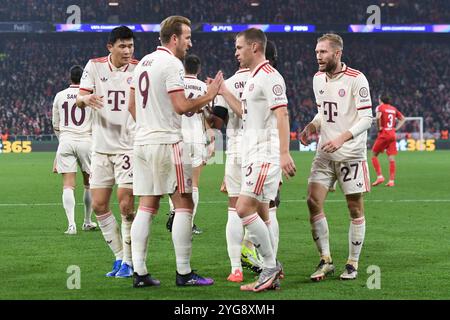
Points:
[(411, 69), (229, 11)]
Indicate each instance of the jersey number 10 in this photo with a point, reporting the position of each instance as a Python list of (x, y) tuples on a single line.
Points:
[(73, 116)]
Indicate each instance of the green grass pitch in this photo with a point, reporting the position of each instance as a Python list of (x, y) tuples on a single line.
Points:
[(408, 238)]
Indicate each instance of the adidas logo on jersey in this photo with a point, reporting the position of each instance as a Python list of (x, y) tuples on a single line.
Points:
[(104, 79), (321, 92), (359, 184), (249, 183), (356, 243)]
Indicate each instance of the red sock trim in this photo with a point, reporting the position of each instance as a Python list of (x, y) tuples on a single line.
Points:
[(104, 216), (358, 221), (147, 209), (249, 219), (183, 210), (317, 217)]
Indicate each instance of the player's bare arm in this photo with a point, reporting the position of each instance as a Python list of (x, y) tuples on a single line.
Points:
[(379, 127), (232, 101), (336, 144), (183, 105), (361, 126), (400, 123), (286, 162), (132, 104), (211, 138), (312, 127), (86, 99)]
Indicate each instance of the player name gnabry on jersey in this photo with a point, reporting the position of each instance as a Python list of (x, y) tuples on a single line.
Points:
[(236, 85)]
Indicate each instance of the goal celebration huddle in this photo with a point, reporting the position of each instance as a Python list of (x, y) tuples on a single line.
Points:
[(147, 127)]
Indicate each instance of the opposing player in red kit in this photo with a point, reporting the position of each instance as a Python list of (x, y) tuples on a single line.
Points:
[(387, 116)]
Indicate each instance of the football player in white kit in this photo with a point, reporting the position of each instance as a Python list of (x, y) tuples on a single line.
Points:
[(265, 148), (73, 127), (232, 179), (104, 88), (194, 130), (244, 255), (162, 165), (344, 116)]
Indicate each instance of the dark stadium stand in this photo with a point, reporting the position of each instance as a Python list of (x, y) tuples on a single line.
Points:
[(281, 11), (413, 68)]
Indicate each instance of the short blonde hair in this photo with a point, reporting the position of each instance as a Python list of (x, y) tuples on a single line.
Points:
[(335, 40), (172, 26)]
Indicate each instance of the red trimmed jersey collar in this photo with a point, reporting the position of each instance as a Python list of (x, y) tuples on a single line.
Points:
[(164, 49), (258, 67), (242, 70), (114, 68)]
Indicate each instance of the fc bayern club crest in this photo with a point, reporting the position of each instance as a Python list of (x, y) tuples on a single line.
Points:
[(129, 80), (277, 90), (252, 86), (341, 92)]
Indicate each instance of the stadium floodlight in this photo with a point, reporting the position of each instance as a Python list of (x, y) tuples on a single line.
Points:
[(254, 3), (113, 3)]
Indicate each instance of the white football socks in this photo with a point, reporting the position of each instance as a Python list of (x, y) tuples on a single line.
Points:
[(195, 198), (126, 241), (271, 236), (140, 232), (110, 230), (87, 205), (319, 228), (258, 233), (68, 199), (275, 229), (356, 235), (234, 235), (182, 239)]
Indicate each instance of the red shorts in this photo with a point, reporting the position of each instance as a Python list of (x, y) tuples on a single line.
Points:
[(387, 143)]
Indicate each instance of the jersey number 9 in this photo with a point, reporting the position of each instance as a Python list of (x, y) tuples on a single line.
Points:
[(144, 85)]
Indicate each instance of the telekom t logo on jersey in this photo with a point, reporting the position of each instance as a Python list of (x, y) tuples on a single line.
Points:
[(330, 110), (115, 99)]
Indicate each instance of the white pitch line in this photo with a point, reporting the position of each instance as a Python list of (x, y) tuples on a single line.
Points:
[(224, 202)]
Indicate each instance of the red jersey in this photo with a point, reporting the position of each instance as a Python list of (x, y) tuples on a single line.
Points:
[(388, 119)]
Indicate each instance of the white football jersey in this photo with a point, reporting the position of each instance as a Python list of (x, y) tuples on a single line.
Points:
[(264, 92), (341, 102), (193, 124), (156, 76), (73, 123), (236, 85), (112, 126)]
